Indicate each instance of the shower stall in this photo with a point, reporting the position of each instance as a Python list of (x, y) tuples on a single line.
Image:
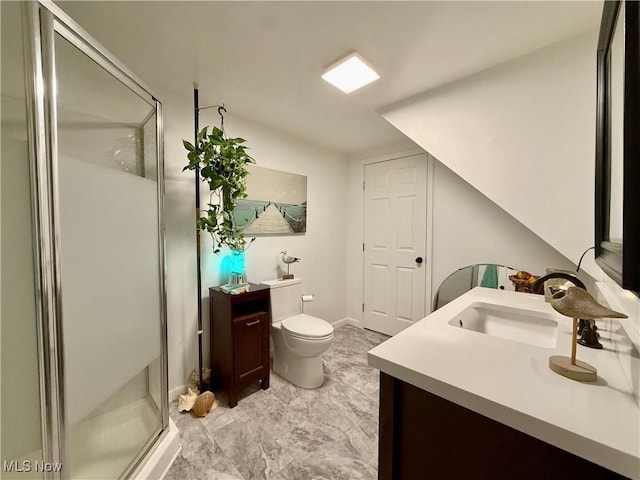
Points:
[(83, 322)]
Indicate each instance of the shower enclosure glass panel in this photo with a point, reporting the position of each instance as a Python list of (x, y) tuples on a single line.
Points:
[(110, 266), (20, 393)]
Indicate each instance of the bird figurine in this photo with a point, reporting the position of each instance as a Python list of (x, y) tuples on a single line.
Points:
[(577, 303), (288, 260)]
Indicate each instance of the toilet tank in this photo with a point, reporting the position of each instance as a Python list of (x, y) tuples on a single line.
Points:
[(286, 296)]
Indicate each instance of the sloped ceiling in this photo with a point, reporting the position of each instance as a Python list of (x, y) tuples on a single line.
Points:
[(523, 134), (264, 59)]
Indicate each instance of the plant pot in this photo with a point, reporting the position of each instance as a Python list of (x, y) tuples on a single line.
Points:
[(238, 273)]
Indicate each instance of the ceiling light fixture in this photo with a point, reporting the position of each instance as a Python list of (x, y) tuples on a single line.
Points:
[(350, 73)]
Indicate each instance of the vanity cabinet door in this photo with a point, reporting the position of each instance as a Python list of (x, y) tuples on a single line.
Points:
[(251, 347)]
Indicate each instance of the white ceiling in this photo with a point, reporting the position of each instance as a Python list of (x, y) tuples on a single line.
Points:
[(263, 60)]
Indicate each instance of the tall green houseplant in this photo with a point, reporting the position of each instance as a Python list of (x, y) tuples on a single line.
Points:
[(223, 166)]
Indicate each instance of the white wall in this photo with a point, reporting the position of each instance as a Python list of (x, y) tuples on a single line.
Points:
[(466, 228), (469, 228), (322, 248), (523, 134)]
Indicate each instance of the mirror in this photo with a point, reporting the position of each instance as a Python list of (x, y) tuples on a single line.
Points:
[(466, 278), (617, 220), (495, 276), (616, 125)]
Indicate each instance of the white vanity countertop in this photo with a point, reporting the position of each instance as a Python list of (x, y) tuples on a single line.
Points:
[(510, 382)]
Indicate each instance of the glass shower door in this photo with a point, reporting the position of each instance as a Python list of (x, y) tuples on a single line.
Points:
[(108, 203), (20, 394)]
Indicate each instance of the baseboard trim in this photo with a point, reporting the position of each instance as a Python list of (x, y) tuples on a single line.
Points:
[(347, 321)]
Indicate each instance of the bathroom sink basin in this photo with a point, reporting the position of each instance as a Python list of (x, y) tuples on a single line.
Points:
[(511, 323)]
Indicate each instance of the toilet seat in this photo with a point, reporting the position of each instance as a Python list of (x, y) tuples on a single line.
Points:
[(307, 327)]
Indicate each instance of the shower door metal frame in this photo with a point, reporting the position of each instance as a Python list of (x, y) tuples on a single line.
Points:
[(42, 20)]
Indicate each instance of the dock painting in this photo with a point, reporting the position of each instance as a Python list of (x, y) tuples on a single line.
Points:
[(276, 203)]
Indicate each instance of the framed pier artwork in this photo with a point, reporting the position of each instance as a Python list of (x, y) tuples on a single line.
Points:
[(276, 203)]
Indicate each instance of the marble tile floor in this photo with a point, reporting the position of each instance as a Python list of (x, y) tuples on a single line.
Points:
[(287, 432)]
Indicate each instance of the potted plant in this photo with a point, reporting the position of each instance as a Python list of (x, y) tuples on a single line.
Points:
[(222, 163)]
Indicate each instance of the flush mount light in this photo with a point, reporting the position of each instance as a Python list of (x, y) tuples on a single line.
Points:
[(350, 73)]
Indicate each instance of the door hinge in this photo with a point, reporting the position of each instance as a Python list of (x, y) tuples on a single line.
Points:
[(363, 182), (363, 247), (362, 310)]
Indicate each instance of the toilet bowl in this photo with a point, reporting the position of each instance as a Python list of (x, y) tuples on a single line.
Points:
[(298, 339)]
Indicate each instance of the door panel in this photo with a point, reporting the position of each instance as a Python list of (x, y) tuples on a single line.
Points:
[(405, 226), (381, 219), (110, 262), (379, 287), (395, 235), (404, 293), (20, 368)]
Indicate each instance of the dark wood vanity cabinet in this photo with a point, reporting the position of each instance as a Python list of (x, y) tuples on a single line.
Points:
[(424, 436), (239, 326)]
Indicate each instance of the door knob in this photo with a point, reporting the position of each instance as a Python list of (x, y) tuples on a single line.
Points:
[(418, 260)]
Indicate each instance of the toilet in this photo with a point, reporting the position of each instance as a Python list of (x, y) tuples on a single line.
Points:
[(298, 339)]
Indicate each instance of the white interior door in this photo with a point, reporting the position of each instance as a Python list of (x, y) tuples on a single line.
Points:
[(395, 233)]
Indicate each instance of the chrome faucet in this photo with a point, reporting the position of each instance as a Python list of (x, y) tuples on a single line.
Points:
[(587, 328)]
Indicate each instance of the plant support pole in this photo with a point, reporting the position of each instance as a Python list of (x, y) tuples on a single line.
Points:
[(196, 113)]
